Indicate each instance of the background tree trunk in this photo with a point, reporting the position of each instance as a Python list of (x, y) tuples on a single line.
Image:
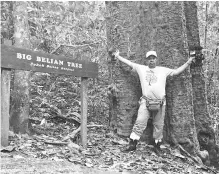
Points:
[(20, 94), (206, 135), (199, 92), (159, 26)]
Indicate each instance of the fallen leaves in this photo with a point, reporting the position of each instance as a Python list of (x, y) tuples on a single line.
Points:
[(119, 142), (89, 162), (177, 153), (7, 149), (103, 152)]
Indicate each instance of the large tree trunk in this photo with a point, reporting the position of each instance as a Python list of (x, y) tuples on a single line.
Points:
[(123, 32), (20, 94), (136, 27)]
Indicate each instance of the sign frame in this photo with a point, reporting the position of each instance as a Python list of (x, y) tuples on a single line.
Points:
[(23, 59)]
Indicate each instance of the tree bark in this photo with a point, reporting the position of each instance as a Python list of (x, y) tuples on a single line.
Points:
[(20, 94), (137, 27), (206, 134), (198, 83), (123, 28)]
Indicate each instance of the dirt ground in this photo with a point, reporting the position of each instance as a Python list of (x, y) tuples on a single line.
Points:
[(16, 163), (49, 152), (39, 166)]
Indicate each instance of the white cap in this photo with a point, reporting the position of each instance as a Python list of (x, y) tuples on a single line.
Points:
[(151, 53)]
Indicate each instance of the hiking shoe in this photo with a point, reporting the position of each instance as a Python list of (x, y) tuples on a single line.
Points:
[(157, 148), (132, 146)]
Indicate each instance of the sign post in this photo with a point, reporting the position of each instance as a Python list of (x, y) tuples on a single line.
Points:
[(84, 98), (17, 58), (5, 98)]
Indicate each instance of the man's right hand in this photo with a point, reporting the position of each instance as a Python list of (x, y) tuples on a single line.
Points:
[(120, 58)]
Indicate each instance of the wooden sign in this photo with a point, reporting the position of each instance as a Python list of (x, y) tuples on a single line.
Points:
[(17, 58), (22, 59)]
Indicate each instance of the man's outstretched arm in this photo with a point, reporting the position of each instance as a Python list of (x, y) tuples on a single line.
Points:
[(183, 67), (126, 61)]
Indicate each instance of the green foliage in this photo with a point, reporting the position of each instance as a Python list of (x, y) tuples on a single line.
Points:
[(7, 28), (73, 29), (212, 23), (54, 91), (67, 23)]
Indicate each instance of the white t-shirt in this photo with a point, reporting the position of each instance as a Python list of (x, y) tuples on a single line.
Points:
[(153, 81)]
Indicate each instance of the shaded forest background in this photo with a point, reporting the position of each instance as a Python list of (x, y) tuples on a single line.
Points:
[(74, 29)]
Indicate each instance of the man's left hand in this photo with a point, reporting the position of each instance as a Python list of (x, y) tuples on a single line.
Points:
[(191, 59)]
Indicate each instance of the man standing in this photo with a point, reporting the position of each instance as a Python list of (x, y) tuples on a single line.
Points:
[(153, 83)]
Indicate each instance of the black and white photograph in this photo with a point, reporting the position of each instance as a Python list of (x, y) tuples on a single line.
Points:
[(109, 87)]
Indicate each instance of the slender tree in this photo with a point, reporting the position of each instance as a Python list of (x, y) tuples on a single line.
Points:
[(203, 121), (20, 95)]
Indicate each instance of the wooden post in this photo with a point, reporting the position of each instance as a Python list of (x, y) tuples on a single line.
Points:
[(5, 104), (84, 89), (18, 58)]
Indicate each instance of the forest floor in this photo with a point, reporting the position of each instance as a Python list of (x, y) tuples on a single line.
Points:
[(52, 148)]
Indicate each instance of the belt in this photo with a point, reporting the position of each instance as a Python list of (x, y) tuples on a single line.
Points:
[(146, 98)]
